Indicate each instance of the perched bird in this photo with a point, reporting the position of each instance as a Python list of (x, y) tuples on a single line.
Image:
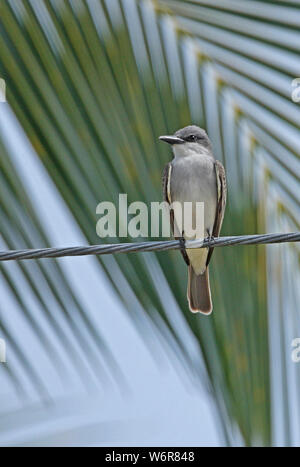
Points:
[(195, 176)]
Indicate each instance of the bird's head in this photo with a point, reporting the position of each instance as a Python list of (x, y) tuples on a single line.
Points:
[(190, 139)]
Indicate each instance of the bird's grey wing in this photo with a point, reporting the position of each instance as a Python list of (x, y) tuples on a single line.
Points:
[(165, 182), (167, 197), (166, 191), (221, 203)]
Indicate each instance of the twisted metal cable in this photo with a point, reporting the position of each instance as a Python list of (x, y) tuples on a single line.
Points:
[(11, 255)]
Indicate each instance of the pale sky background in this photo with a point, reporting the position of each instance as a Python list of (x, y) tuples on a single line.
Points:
[(163, 407)]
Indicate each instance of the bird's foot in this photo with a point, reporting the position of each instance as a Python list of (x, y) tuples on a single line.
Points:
[(210, 237), (182, 244), (183, 250)]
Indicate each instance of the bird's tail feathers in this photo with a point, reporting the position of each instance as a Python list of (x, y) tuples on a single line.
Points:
[(198, 292)]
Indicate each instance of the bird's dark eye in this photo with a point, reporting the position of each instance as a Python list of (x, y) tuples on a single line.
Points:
[(192, 138)]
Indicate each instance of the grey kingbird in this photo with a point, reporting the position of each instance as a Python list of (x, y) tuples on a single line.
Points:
[(195, 176)]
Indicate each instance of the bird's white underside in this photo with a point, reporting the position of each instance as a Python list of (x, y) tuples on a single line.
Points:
[(192, 178)]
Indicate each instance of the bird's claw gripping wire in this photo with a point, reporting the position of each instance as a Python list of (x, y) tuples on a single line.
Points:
[(209, 238), (183, 250)]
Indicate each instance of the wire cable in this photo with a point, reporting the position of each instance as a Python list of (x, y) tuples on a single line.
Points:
[(13, 255)]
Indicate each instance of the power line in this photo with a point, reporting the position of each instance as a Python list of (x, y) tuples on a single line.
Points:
[(11, 255)]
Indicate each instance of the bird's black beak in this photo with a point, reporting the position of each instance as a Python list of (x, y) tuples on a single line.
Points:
[(172, 139)]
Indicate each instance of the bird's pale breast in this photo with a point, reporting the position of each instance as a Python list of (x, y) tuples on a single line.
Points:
[(193, 179)]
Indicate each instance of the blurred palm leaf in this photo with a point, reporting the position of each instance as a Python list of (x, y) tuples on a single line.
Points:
[(94, 83)]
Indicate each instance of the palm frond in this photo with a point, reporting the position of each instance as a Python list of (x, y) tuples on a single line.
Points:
[(93, 84)]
